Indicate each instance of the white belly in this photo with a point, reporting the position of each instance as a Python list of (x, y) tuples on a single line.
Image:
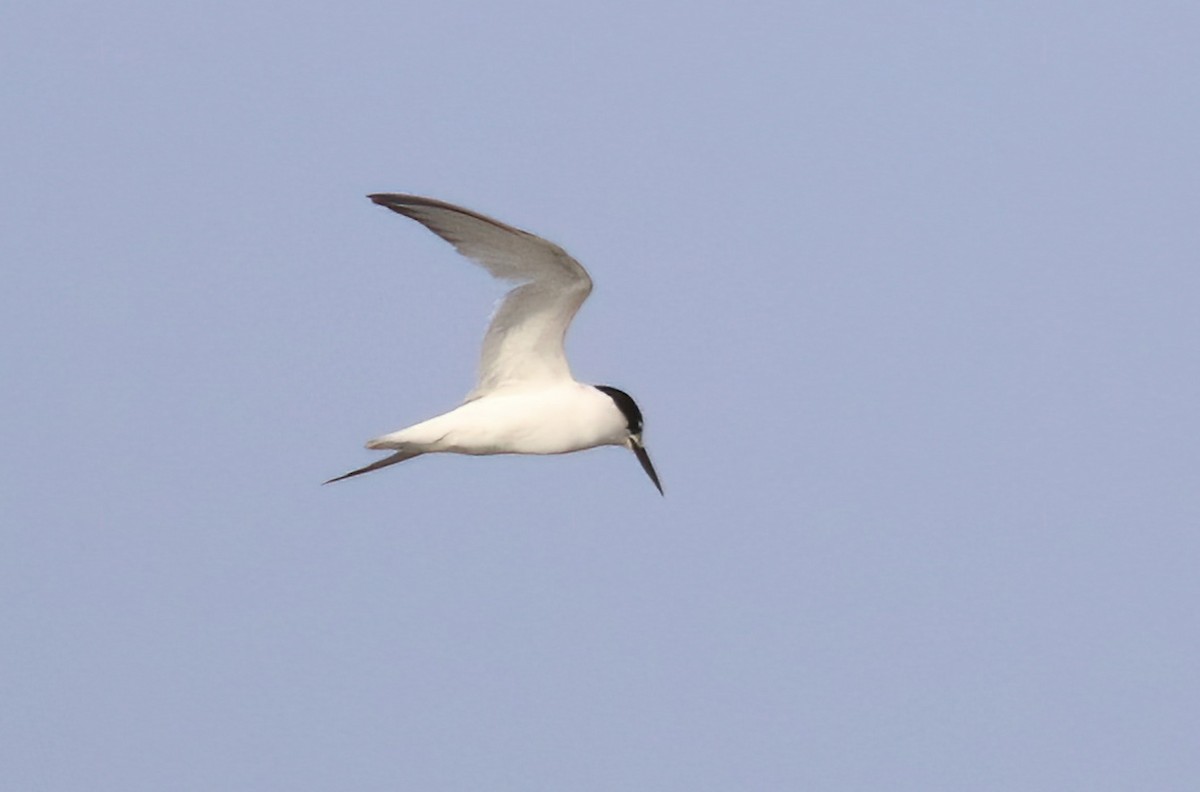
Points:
[(555, 420)]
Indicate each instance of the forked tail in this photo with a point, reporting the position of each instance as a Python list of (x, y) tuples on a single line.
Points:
[(399, 456)]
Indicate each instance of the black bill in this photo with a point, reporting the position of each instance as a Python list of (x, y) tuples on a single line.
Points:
[(644, 458)]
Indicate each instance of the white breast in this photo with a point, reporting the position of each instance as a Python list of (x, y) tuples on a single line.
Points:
[(547, 420)]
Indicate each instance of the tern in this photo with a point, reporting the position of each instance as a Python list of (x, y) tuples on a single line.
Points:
[(525, 401)]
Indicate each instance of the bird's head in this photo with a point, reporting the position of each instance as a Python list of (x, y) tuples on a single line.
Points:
[(633, 425)]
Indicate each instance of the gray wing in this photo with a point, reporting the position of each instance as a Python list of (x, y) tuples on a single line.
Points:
[(524, 342)]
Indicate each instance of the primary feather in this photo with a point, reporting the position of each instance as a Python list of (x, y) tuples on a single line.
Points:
[(524, 342)]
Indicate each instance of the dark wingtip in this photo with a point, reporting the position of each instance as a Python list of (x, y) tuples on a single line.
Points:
[(398, 202)]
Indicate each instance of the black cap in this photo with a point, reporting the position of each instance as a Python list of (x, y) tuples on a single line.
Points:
[(627, 406)]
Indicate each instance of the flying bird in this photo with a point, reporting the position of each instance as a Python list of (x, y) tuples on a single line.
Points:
[(525, 401)]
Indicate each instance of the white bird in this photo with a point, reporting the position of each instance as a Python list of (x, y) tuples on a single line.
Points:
[(526, 401)]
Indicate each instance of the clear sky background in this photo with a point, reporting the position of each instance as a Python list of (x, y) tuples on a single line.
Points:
[(908, 295)]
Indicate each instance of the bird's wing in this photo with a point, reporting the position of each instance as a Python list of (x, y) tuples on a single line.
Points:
[(524, 342)]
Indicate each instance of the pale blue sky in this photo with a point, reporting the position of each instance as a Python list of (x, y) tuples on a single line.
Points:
[(908, 296)]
